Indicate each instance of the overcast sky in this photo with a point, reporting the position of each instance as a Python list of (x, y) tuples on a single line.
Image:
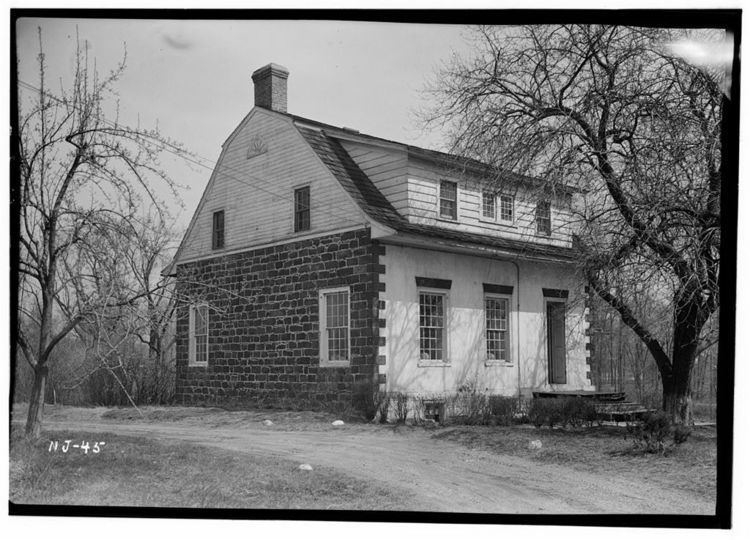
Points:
[(193, 77)]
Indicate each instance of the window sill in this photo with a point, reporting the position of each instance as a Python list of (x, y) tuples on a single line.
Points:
[(198, 365), (434, 363), (447, 220), (499, 363), (506, 224), (334, 363)]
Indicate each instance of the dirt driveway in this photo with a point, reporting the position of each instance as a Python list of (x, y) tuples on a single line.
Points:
[(437, 475)]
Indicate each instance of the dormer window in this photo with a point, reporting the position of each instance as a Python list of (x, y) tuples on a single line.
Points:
[(488, 205), (448, 200), (302, 209), (506, 208), (543, 219)]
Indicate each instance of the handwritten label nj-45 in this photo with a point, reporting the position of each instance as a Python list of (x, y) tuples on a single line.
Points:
[(84, 446)]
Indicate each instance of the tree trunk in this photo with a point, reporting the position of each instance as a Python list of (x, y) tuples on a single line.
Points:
[(36, 403), (677, 401)]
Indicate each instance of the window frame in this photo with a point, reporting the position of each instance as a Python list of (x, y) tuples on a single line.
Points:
[(215, 230), (441, 198), (446, 360), (494, 216), (538, 219), (192, 336), (508, 298), (512, 208), (297, 222), (325, 361)]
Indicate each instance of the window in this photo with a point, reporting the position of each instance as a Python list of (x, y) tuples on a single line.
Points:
[(448, 200), (302, 209), (496, 328), (198, 345), (432, 326), (217, 238), (506, 207), (543, 219), (334, 325), (488, 205)]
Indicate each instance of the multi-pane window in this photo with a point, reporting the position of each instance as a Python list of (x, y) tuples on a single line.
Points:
[(199, 337), (334, 314), (488, 205), (431, 326), (496, 324), (302, 209), (543, 218), (506, 207), (217, 237), (448, 200)]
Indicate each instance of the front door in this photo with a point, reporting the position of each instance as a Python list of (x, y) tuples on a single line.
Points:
[(556, 342)]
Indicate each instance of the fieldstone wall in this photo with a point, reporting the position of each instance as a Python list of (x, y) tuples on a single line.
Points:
[(263, 323)]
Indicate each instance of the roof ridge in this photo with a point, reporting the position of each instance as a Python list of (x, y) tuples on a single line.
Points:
[(462, 162)]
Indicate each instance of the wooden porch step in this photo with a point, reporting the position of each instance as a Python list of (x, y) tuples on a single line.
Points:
[(621, 411)]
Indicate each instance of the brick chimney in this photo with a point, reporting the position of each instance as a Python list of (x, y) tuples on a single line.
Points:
[(270, 87)]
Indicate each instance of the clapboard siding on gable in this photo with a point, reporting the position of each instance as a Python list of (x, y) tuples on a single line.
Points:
[(386, 168), (257, 193), (423, 191)]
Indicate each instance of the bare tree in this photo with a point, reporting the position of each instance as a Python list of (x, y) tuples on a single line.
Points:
[(611, 110), (81, 176)]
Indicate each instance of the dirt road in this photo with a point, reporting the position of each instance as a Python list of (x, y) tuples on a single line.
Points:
[(438, 475)]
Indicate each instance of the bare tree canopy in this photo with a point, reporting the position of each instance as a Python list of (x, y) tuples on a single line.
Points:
[(612, 111), (84, 181)]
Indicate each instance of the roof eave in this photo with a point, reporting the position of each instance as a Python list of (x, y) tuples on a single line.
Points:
[(469, 248)]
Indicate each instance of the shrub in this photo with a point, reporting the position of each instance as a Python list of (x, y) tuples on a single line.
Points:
[(546, 411), (650, 434), (401, 402), (574, 412), (364, 399), (383, 403), (578, 412), (681, 433), (503, 410)]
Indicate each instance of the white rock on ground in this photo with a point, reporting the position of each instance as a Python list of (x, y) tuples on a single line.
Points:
[(267, 423), (305, 467), (338, 422), (535, 445)]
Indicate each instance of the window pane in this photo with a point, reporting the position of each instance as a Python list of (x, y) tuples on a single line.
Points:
[(488, 205), (448, 198), (543, 218), (218, 230), (496, 316), (302, 209), (201, 319), (506, 208), (431, 326), (337, 325)]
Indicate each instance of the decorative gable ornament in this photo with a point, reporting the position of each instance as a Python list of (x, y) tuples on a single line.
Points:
[(257, 147)]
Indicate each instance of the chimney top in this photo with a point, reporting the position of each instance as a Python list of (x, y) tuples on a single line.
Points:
[(270, 87)]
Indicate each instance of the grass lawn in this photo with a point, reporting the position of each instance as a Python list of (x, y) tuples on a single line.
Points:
[(133, 471), (605, 449)]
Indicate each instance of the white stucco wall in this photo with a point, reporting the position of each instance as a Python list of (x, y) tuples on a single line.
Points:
[(465, 323)]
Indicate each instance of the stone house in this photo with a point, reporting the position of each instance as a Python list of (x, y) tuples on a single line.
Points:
[(321, 260)]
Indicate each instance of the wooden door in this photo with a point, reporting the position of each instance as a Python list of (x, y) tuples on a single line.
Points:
[(556, 342)]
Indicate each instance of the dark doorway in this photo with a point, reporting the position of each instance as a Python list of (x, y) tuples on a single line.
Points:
[(556, 342)]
